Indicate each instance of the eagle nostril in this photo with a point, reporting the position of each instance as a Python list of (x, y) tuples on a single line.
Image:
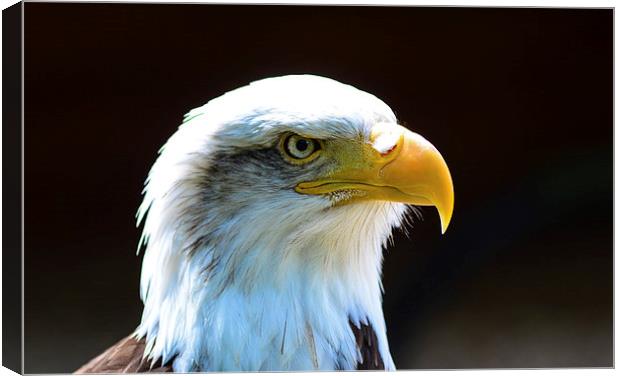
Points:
[(388, 151)]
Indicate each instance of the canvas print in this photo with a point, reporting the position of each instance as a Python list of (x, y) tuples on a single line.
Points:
[(215, 188)]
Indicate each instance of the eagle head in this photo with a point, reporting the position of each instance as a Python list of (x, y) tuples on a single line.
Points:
[(265, 216)]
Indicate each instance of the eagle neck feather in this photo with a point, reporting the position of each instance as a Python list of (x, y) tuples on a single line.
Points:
[(265, 296)]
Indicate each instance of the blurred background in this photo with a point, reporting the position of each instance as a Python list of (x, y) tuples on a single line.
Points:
[(519, 101)]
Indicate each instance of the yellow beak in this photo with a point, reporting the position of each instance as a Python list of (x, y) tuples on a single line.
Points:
[(396, 165)]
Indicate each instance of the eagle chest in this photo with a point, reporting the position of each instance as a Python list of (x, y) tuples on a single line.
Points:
[(127, 356)]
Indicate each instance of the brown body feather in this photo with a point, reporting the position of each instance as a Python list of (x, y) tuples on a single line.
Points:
[(127, 356), (368, 345)]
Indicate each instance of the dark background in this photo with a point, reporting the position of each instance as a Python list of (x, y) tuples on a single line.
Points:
[(519, 101)]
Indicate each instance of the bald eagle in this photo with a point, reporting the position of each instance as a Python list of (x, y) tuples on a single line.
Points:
[(265, 216)]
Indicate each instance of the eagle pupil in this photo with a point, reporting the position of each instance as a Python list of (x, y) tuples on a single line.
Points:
[(302, 145)]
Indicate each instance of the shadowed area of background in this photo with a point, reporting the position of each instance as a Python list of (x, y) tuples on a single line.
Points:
[(519, 102)]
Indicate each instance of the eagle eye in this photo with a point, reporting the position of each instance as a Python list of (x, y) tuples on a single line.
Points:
[(299, 149)]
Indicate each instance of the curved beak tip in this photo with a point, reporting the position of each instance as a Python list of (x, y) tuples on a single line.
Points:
[(446, 207), (445, 221)]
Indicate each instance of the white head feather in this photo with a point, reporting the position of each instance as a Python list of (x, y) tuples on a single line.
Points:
[(254, 276)]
